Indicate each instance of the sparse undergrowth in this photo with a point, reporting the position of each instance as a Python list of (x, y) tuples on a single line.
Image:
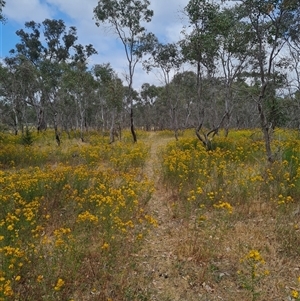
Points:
[(71, 218), (77, 222), (242, 215)]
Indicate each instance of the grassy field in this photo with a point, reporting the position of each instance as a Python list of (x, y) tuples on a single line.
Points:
[(77, 221), (69, 216), (242, 214)]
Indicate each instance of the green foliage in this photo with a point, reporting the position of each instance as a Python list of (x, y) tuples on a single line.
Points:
[(127, 15), (252, 272), (232, 170), (84, 218), (201, 44), (27, 138), (2, 4), (165, 57)]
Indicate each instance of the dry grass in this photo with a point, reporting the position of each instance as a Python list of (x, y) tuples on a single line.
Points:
[(222, 225), (239, 210)]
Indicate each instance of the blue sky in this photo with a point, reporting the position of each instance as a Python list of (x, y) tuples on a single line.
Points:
[(166, 24), (17, 13)]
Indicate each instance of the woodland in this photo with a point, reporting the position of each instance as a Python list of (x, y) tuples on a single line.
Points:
[(185, 191), (242, 56)]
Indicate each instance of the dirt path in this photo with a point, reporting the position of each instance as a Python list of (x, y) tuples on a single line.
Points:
[(181, 262), (158, 264)]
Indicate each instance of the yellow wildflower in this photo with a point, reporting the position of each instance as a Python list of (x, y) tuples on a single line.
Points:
[(18, 278), (8, 291), (105, 246), (295, 294), (255, 255), (59, 284), (39, 278), (10, 227)]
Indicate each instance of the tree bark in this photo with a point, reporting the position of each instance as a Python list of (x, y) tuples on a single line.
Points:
[(132, 126)]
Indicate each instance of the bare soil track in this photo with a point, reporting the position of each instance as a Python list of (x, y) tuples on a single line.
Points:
[(159, 267), (179, 261)]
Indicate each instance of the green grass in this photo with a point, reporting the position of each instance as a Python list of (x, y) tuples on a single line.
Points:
[(75, 220)]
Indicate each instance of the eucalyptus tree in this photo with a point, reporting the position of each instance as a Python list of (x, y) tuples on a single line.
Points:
[(271, 22), (48, 47), (293, 65), (167, 58), (200, 47), (9, 98), (148, 111), (19, 85), (186, 83), (130, 98), (79, 85), (235, 44), (294, 89), (126, 17), (110, 95), (243, 113), (2, 4), (103, 74)]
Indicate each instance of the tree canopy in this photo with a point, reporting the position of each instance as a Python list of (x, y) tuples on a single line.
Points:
[(235, 66)]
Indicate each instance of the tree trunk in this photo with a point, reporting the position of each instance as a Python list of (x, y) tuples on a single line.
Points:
[(263, 120), (41, 120), (174, 122), (112, 129), (132, 126), (16, 122), (228, 101), (266, 132), (57, 135)]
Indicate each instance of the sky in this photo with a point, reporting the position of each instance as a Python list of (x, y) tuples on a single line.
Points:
[(166, 24)]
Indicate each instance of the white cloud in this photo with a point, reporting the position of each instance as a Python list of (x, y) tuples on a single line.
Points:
[(26, 10), (167, 19), (76, 9), (166, 24)]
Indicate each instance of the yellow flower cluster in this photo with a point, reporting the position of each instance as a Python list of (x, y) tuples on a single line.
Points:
[(254, 255), (62, 235), (295, 293), (224, 205), (59, 284), (87, 216), (232, 170), (284, 200), (252, 264), (58, 205)]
